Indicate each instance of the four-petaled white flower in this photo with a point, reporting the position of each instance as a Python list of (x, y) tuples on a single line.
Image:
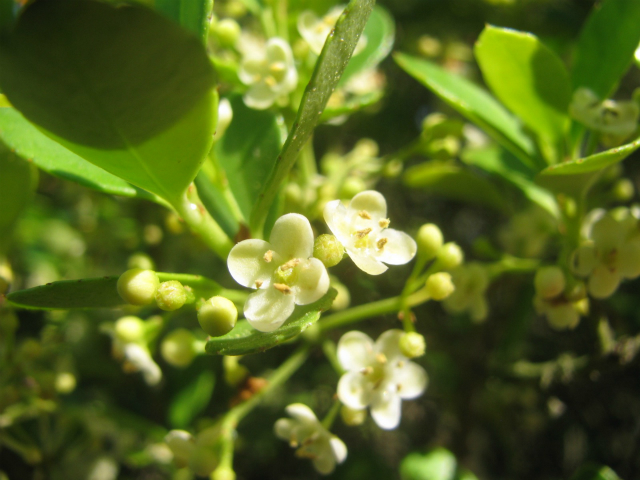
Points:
[(304, 432), (378, 376), (270, 73), (362, 229), (281, 270), (315, 30)]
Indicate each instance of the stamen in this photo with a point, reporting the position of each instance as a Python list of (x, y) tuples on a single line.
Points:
[(270, 81), (367, 370), (268, 256), (258, 283), (362, 233), (281, 287), (381, 358), (290, 264), (400, 364), (384, 223), (381, 243), (364, 214)]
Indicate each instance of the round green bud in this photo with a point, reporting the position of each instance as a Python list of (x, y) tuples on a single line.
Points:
[(429, 240), (366, 148), (392, 169), (440, 286), (443, 148), (343, 298), (140, 260), (236, 9), (217, 316), (129, 329), (178, 348), (351, 187), (412, 345), (234, 372), (227, 32), (450, 256), (6, 276), (65, 382), (623, 190), (171, 295), (328, 250), (138, 286), (563, 316), (352, 417), (549, 281)]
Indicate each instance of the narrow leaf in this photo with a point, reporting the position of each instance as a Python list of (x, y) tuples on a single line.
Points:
[(191, 400), (244, 339)]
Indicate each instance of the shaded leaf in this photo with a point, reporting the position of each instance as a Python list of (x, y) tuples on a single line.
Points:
[(194, 15), (191, 400)]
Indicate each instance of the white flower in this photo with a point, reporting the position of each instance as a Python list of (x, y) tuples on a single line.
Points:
[(362, 229), (378, 375), (304, 432), (269, 72), (315, 30), (608, 116), (281, 270), (138, 359)]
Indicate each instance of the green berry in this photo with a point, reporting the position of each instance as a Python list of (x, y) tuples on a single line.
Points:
[(138, 286), (217, 316), (129, 329)]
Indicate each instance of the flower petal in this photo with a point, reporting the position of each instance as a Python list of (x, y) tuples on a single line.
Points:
[(399, 248), (603, 281), (247, 264), (629, 259), (312, 283), (388, 343), (354, 390), (367, 262), (370, 201), (283, 428), (260, 96), (301, 412), (251, 69), (411, 380), (355, 351), (292, 237), (336, 216), (339, 449), (386, 411), (268, 308), (324, 463)]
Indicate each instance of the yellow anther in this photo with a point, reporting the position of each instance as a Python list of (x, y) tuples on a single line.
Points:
[(290, 264), (381, 243), (381, 358), (268, 256), (258, 283), (364, 214), (362, 233), (367, 370), (270, 81), (277, 67), (384, 223), (281, 287)]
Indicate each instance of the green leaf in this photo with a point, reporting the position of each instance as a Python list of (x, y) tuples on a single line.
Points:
[(331, 63), (606, 46), (530, 80), (595, 472), (30, 143), (142, 109), (191, 400), (501, 163), (244, 339), (594, 162), (450, 181), (194, 15), (380, 33), (16, 185), (474, 103), (439, 464), (214, 201)]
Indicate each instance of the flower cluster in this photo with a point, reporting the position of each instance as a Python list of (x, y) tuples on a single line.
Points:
[(471, 282), (561, 307), (315, 30)]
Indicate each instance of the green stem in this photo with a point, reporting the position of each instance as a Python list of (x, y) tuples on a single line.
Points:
[(330, 351), (328, 420)]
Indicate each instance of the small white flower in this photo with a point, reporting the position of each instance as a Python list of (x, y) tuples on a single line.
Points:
[(362, 229), (269, 72), (378, 375), (304, 432), (281, 270), (315, 30), (619, 118), (138, 358)]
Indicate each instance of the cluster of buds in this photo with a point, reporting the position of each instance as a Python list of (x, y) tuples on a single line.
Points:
[(561, 305), (140, 287)]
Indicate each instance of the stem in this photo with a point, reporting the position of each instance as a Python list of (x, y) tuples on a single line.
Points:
[(327, 421)]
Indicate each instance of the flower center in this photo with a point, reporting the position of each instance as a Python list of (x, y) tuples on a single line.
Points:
[(286, 275)]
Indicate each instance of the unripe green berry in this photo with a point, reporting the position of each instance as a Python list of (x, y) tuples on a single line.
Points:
[(129, 329), (178, 348), (429, 240), (352, 417), (217, 316), (450, 256), (328, 250), (412, 345), (227, 31), (549, 281), (137, 286), (171, 295), (440, 286)]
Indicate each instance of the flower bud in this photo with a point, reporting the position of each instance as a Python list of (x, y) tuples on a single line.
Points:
[(563, 316), (429, 240), (171, 295), (129, 329), (450, 256), (178, 348), (443, 148), (234, 372), (412, 345), (352, 417), (217, 316), (65, 383), (6, 276), (137, 286), (140, 260), (328, 250), (351, 187), (440, 286), (343, 298), (227, 32), (623, 190), (549, 281), (181, 444)]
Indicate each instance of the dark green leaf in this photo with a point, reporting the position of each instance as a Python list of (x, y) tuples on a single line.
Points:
[(474, 103), (606, 46), (244, 339), (194, 15), (191, 400), (595, 472), (16, 187), (439, 464)]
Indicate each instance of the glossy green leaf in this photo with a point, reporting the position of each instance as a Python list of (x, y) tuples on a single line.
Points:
[(244, 339), (194, 15), (142, 109), (594, 162), (439, 464), (474, 103), (499, 162), (606, 46), (31, 144), (595, 472), (530, 80), (331, 63), (191, 400), (214, 201), (380, 33), (450, 181), (16, 187)]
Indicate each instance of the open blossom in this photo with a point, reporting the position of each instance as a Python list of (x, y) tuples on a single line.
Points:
[(315, 30), (281, 270), (378, 376), (269, 72), (362, 228), (304, 432)]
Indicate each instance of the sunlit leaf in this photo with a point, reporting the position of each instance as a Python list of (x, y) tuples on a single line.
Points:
[(194, 15)]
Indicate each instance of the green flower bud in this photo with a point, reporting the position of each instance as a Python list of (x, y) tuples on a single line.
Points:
[(328, 250), (443, 148), (234, 372), (217, 316), (65, 383), (178, 348), (227, 32), (171, 295), (392, 169), (351, 187), (129, 329), (623, 190), (412, 345), (440, 286), (450, 256), (137, 286), (352, 417), (549, 281), (429, 240), (140, 260), (343, 298)]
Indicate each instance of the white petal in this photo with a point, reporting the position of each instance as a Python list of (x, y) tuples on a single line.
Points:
[(355, 351), (251, 70), (247, 264), (388, 343), (411, 380), (354, 390), (278, 50), (607, 233), (292, 237), (339, 449), (312, 283), (367, 262), (371, 201), (259, 96), (268, 308), (324, 463), (336, 216), (603, 281), (399, 249), (386, 411), (301, 412), (584, 259), (283, 428)]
